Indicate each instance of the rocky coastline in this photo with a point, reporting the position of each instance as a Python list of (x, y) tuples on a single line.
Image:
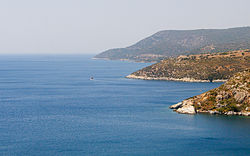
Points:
[(231, 98), (127, 60), (216, 67), (185, 79), (187, 107)]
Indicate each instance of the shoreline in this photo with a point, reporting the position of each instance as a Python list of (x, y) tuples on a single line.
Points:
[(187, 107), (171, 79), (128, 60)]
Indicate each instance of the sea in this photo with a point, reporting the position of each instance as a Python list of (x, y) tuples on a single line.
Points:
[(50, 106)]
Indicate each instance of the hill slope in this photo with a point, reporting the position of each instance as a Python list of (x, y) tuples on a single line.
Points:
[(176, 42), (197, 68), (231, 98)]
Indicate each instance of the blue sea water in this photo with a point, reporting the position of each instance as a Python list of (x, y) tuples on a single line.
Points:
[(49, 106)]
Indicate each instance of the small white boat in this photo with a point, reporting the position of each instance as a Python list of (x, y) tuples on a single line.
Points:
[(91, 78)]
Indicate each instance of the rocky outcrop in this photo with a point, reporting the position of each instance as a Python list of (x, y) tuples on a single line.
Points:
[(184, 107), (231, 98), (184, 79)]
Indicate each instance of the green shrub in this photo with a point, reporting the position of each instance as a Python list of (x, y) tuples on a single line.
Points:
[(221, 109), (212, 98), (233, 107), (213, 93), (224, 53)]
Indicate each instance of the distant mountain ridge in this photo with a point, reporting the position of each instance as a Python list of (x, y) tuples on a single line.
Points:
[(172, 43)]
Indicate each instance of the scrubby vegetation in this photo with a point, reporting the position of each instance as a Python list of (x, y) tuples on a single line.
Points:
[(217, 66), (233, 97)]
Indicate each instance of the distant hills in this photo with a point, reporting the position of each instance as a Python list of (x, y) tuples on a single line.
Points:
[(172, 43), (197, 68)]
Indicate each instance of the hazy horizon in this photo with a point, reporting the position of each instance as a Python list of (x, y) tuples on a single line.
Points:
[(91, 27)]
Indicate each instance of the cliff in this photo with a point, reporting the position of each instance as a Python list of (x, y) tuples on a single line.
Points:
[(172, 43), (197, 68), (231, 98)]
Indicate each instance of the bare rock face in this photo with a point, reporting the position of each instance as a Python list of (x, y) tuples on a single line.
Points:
[(219, 97), (246, 113), (231, 98), (230, 113), (185, 107), (240, 96), (176, 106)]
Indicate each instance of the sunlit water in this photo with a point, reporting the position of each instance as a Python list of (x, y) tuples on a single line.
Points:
[(49, 106)]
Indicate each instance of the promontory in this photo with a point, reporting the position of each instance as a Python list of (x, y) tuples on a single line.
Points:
[(231, 98), (210, 67)]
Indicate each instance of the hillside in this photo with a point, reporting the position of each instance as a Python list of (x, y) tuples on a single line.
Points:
[(197, 68), (172, 43), (231, 98)]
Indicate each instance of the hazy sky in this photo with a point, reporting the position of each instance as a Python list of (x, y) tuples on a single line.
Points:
[(92, 26)]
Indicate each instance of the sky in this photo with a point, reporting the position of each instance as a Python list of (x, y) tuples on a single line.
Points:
[(93, 26)]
